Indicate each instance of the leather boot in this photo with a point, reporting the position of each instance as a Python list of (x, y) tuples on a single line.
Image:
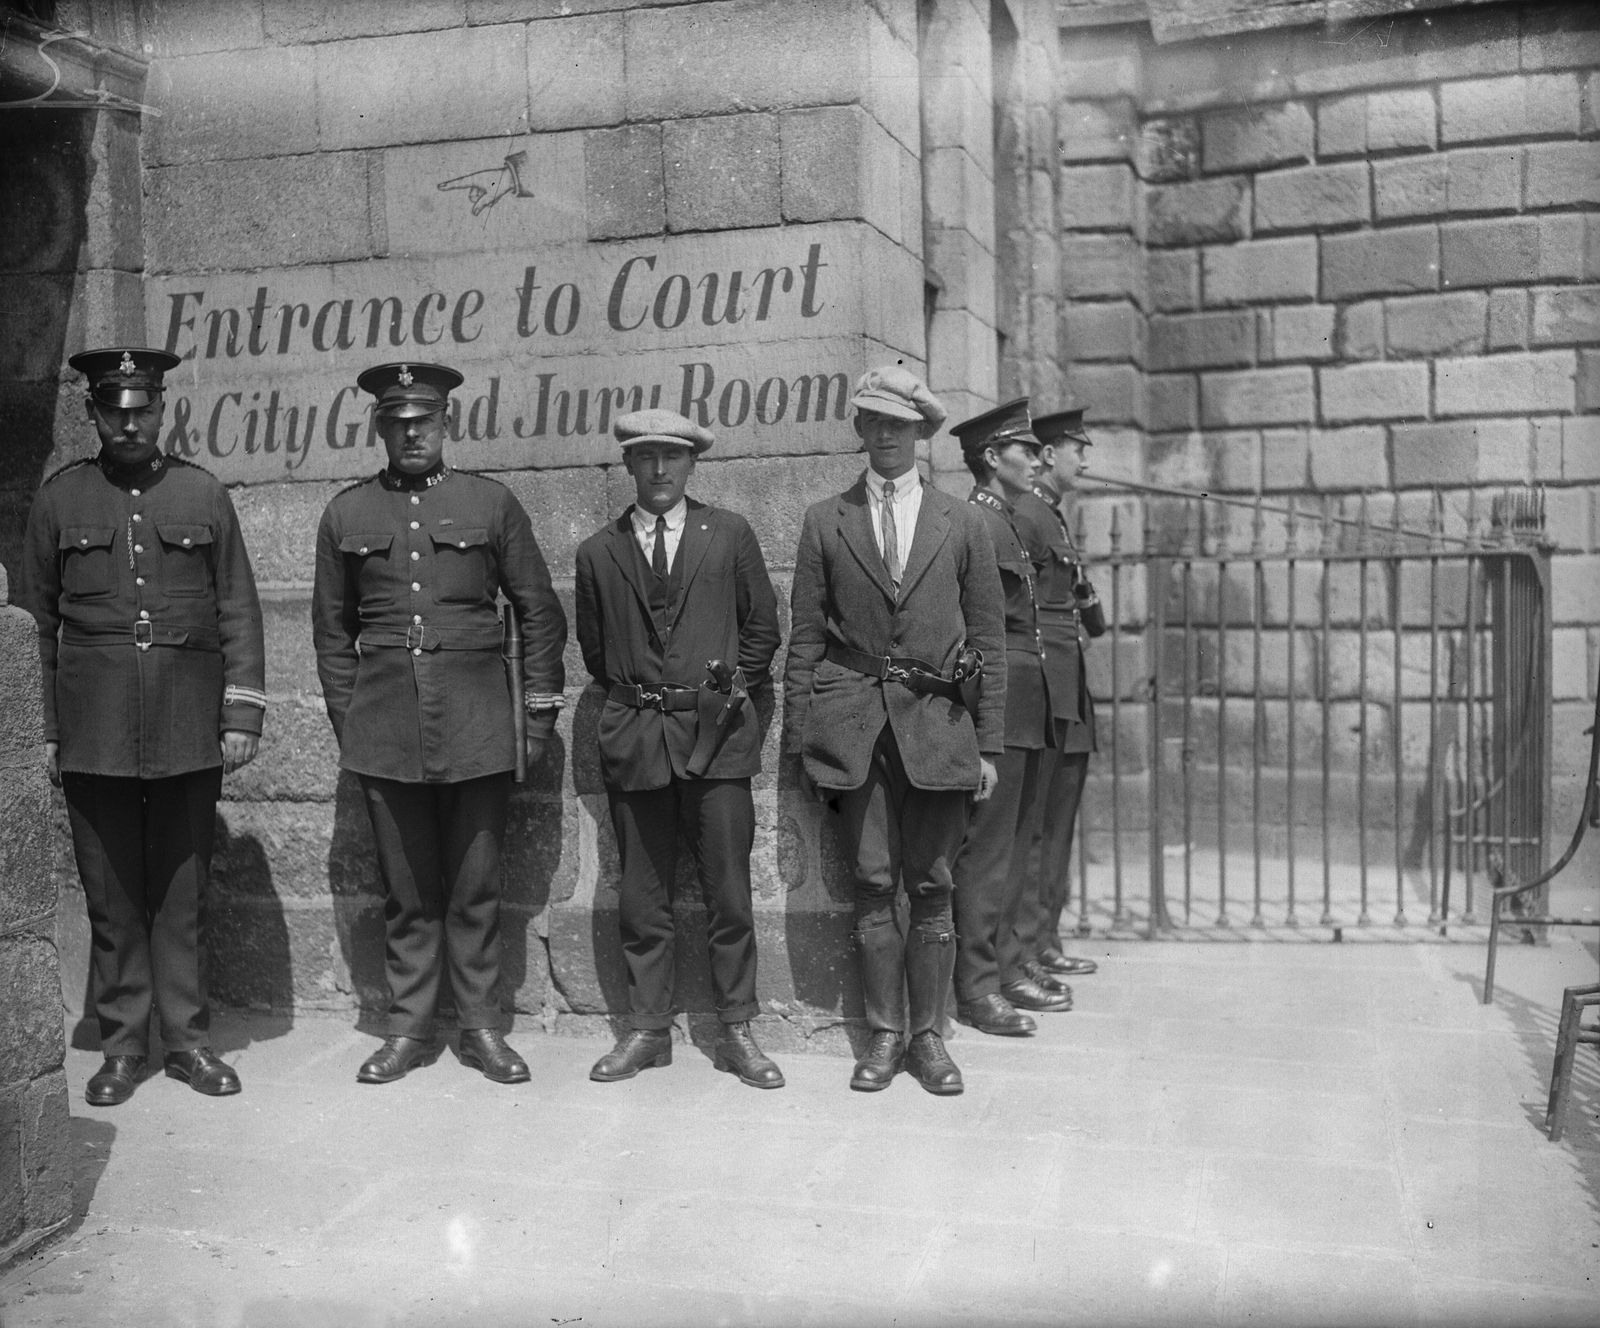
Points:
[(484, 1049), (882, 953), (396, 1058), (738, 1054), (113, 1083), (637, 1049), (203, 1071), (930, 962)]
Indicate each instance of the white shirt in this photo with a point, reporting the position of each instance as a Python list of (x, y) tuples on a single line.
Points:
[(907, 503), (644, 530)]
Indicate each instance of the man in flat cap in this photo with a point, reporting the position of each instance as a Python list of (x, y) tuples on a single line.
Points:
[(679, 624), (1069, 611), (150, 637), (991, 978), (408, 640), (896, 608)]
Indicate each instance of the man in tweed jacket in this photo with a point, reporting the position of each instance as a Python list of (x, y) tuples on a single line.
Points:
[(893, 582)]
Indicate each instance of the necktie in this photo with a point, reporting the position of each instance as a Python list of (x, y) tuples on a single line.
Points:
[(658, 558), (891, 545)]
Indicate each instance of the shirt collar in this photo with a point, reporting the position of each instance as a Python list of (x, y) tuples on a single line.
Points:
[(902, 486), (676, 516)]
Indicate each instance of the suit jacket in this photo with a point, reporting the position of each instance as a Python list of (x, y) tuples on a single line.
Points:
[(406, 630), (725, 610), (160, 546), (949, 594)]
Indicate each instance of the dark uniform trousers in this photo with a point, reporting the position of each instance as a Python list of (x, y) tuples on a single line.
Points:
[(717, 818), (1045, 854), (439, 852), (988, 918), (143, 848)]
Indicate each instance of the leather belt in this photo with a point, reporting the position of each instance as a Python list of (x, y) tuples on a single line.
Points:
[(917, 674), (142, 633), (423, 636), (661, 696)]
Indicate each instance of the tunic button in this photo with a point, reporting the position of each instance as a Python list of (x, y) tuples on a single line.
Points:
[(187, 542), (145, 614), (83, 541), (416, 525), (363, 548), (137, 517), (415, 555), (134, 492), (415, 500), (463, 545), (416, 585), (416, 650), (138, 580), (416, 617), (137, 548)]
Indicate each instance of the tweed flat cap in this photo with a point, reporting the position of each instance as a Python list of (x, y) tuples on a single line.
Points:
[(895, 391), (662, 426)]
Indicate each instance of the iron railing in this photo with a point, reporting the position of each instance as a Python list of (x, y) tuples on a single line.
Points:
[(1318, 710)]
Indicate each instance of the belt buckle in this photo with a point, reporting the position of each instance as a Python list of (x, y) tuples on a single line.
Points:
[(420, 630), (144, 634), (656, 699), (892, 672)]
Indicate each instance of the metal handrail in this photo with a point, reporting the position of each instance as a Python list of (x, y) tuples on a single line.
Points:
[(1589, 815)]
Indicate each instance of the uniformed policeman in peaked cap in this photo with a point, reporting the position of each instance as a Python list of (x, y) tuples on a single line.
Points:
[(1069, 612), (150, 637), (991, 978), (678, 623), (408, 640), (896, 603)]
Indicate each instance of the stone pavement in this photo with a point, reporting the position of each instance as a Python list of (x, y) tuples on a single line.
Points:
[(1221, 1133)]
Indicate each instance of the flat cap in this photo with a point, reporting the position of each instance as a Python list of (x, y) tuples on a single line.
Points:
[(893, 390), (996, 428), (126, 377), (662, 426), (1060, 424), (409, 390)]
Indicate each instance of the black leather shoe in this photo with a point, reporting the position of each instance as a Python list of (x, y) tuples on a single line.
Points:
[(203, 1071), (1067, 965), (995, 1014), (1045, 978), (638, 1049), (396, 1058), (114, 1082), (1029, 995), (927, 1059), (738, 1054), (484, 1049), (883, 1059)]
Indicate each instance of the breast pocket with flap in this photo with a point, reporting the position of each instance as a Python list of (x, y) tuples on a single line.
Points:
[(185, 558), (87, 571), (461, 565)]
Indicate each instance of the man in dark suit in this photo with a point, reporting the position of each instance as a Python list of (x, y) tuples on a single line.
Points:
[(678, 622), (991, 978), (408, 640), (896, 597), (1069, 611), (150, 638)]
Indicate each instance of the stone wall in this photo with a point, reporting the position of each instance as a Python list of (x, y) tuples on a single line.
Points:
[(36, 1159), (1339, 261), (317, 152)]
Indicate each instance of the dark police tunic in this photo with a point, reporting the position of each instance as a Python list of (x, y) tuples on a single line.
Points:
[(151, 645), (408, 645), (987, 890)]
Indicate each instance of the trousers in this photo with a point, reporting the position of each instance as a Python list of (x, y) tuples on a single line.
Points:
[(988, 892), (717, 817), (1049, 861), (143, 848), (439, 855)]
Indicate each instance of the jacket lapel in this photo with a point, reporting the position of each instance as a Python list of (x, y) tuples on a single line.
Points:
[(933, 524), (624, 552), (692, 547), (855, 526)]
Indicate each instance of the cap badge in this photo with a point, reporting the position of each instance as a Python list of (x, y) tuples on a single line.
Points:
[(127, 366), (405, 376)]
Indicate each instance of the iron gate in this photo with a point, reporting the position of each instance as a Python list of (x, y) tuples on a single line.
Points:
[(1320, 714)]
